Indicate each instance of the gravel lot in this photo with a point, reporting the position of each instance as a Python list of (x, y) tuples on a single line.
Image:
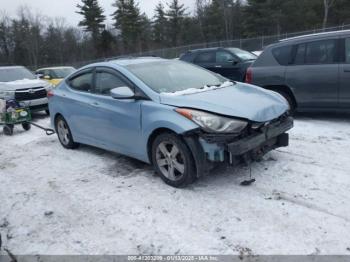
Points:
[(89, 201)]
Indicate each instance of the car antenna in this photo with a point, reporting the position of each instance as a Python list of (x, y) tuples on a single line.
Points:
[(251, 180)]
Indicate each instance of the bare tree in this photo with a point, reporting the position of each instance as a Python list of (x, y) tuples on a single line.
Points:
[(5, 36), (33, 32), (327, 6), (201, 5), (223, 5)]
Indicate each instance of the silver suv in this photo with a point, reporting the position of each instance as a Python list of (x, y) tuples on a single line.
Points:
[(312, 72), (18, 83)]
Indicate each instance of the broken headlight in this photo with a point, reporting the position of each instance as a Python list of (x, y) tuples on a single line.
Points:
[(213, 123)]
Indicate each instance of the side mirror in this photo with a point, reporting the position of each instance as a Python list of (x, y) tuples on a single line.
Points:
[(122, 93), (47, 77)]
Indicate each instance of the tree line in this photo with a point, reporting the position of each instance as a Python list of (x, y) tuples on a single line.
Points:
[(32, 39)]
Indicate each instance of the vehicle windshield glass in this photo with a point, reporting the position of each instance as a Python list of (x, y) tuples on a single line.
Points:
[(62, 72), (13, 74), (244, 55), (174, 76)]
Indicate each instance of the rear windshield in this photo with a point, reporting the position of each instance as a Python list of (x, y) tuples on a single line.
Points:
[(283, 54), (243, 55), (62, 72), (173, 76), (13, 74)]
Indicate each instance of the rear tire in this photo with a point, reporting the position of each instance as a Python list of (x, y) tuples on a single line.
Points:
[(8, 130), (64, 134), (173, 160), (290, 101)]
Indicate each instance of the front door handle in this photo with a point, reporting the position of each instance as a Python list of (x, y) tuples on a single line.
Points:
[(218, 66), (95, 104), (347, 70)]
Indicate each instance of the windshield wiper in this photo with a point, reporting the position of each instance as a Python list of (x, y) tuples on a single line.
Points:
[(210, 85)]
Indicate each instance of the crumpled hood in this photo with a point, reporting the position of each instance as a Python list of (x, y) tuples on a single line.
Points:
[(22, 84), (238, 100)]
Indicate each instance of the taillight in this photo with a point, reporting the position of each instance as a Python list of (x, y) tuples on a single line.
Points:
[(50, 93), (249, 76)]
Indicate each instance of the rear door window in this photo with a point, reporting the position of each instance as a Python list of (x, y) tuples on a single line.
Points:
[(82, 82), (321, 52), (224, 57), (283, 54), (206, 57)]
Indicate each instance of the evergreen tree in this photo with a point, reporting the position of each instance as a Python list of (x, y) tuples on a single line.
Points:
[(340, 13), (237, 19), (93, 18), (146, 33), (160, 25), (5, 38), (214, 22), (175, 16), (128, 21), (106, 43), (270, 17)]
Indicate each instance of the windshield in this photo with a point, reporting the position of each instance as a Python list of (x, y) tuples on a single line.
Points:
[(244, 55), (62, 72), (15, 73), (174, 76)]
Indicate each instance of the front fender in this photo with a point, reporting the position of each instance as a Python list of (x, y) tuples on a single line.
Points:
[(158, 116)]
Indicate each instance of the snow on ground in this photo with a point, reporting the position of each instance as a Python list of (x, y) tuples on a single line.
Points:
[(89, 201)]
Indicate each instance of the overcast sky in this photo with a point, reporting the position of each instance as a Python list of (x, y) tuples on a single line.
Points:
[(67, 8)]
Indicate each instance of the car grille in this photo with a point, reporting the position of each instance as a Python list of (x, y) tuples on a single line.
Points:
[(30, 94)]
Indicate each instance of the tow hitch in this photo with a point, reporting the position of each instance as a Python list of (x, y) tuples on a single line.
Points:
[(48, 131)]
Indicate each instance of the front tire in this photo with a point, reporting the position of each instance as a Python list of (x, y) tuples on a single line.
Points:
[(64, 134), (173, 160)]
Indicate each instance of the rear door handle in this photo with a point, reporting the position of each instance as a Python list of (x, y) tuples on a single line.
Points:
[(218, 66), (347, 70)]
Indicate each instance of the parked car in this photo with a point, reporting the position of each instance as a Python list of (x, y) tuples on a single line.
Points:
[(312, 72), (54, 75), (18, 83), (231, 63), (179, 117)]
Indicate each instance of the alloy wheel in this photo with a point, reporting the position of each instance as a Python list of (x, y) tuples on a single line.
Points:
[(63, 132), (170, 161)]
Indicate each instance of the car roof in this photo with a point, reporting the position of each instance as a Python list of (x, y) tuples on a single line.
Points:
[(10, 67), (316, 35), (53, 68), (135, 60), (210, 49), (124, 62)]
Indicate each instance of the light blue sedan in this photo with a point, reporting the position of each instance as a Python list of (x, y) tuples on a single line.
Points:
[(182, 119)]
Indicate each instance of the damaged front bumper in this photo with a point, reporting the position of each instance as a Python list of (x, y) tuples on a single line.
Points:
[(209, 149), (273, 136)]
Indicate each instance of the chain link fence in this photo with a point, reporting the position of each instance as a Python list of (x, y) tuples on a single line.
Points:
[(249, 44)]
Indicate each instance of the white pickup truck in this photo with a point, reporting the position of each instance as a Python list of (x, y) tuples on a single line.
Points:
[(18, 83)]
